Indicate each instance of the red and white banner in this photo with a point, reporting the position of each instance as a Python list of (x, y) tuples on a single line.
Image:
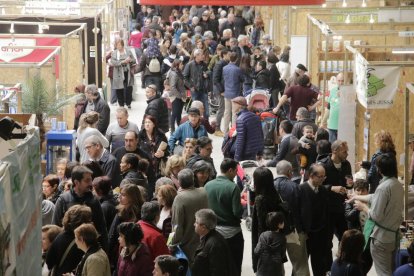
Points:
[(16, 55), (233, 3)]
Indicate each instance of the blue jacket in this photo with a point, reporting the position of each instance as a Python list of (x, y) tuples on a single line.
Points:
[(249, 141), (233, 79), (185, 131)]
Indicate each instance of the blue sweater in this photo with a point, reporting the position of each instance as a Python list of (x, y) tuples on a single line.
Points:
[(184, 131)]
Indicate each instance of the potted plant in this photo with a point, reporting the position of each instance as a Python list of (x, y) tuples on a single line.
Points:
[(39, 99)]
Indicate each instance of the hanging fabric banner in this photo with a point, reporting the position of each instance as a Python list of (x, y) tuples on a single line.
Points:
[(234, 3), (376, 87)]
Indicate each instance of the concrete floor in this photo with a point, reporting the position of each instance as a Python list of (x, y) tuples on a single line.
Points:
[(136, 114)]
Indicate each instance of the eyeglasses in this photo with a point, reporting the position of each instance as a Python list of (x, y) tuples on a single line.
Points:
[(321, 176), (89, 146)]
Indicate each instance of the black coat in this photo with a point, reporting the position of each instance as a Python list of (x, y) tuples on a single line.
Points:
[(158, 109), (271, 252), (57, 250), (69, 199), (335, 177), (314, 208), (275, 82), (262, 206), (213, 257), (218, 80), (263, 79), (108, 205), (352, 217), (104, 114)]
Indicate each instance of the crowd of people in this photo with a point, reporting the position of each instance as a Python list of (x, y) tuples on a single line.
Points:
[(144, 196)]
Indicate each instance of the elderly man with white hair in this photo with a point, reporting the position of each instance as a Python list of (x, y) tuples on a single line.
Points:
[(195, 76), (96, 152)]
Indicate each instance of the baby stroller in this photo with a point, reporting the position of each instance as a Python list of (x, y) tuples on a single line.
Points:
[(245, 174)]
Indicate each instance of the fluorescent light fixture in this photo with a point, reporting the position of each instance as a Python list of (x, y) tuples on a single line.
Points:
[(337, 37), (12, 28), (344, 4), (403, 51), (324, 5), (371, 19), (364, 3), (40, 29), (348, 19)]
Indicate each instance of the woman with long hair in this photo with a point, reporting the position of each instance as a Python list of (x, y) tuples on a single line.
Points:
[(87, 127), (165, 197), (95, 261), (154, 143), (248, 72), (129, 210), (174, 165), (267, 200), (349, 254), (202, 173), (178, 94), (123, 80), (385, 144), (135, 258)]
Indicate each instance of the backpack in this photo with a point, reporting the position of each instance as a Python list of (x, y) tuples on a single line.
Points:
[(154, 66)]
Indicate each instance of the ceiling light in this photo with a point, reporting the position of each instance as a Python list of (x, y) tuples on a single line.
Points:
[(348, 19), (324, 5), (40, 29), (12, 28), (402, 51), (371, 19), (344, 4), (364, 3)]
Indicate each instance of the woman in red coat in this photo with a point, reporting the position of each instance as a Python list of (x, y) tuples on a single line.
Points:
[(135, 258)]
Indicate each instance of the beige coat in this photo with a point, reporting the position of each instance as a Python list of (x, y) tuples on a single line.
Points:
[(97, 264)]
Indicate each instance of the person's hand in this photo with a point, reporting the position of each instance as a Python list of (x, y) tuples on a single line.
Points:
[(360, 206), (159, 154), (306, 146), (275, 110), (179, 46), (222, 94), (338, 189)]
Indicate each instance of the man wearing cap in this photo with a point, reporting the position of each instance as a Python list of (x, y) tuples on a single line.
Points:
[(210, 128), (233, 80), (190, 129), (300, 96), (249, 139)]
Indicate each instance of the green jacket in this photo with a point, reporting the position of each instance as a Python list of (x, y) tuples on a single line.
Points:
[(224, 199)]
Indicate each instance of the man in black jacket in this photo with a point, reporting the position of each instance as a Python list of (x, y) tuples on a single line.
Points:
[(81, 193), (337, 168), (96, 152), (212, 256), (195, 76), (315, 219), (218, 87), (96, 103), (156, 107)]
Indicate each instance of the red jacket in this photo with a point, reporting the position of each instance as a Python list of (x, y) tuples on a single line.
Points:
[(154, 239)]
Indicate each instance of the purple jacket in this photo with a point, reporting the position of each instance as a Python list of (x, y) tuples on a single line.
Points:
[(138, 263), (249, 140)]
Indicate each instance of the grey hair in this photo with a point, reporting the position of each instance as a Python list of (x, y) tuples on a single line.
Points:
[(149, 211), (186, 178), (206, 217), (197, 104), (302, 112), (92, 88), (198, 29), (198, 52), (201, 166), (195, 18), (208, 34), (283, 167), (241, 37), (94, 140), (226, 31), (122, 110)]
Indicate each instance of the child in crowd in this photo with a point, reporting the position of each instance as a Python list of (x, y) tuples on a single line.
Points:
[(166, 96), (271, 248), (356, 220), (49, 234), (307, 148)]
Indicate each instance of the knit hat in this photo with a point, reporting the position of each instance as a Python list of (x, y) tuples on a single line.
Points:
[(193, 111), (240, 100)]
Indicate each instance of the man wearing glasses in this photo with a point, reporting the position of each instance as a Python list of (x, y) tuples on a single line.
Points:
[(313, 197), (96, 152)]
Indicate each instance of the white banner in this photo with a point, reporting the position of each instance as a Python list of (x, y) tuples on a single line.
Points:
[(377, 87), (20, 213)]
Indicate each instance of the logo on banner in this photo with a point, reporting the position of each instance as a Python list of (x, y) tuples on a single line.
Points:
[(374, 83), (8, 53)]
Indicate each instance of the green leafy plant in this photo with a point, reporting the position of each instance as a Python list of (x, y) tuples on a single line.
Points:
[(39, 99)]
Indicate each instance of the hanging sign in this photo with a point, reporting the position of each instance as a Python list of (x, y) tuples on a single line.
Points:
[(10, 54), (234, 3), (382, 85)]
